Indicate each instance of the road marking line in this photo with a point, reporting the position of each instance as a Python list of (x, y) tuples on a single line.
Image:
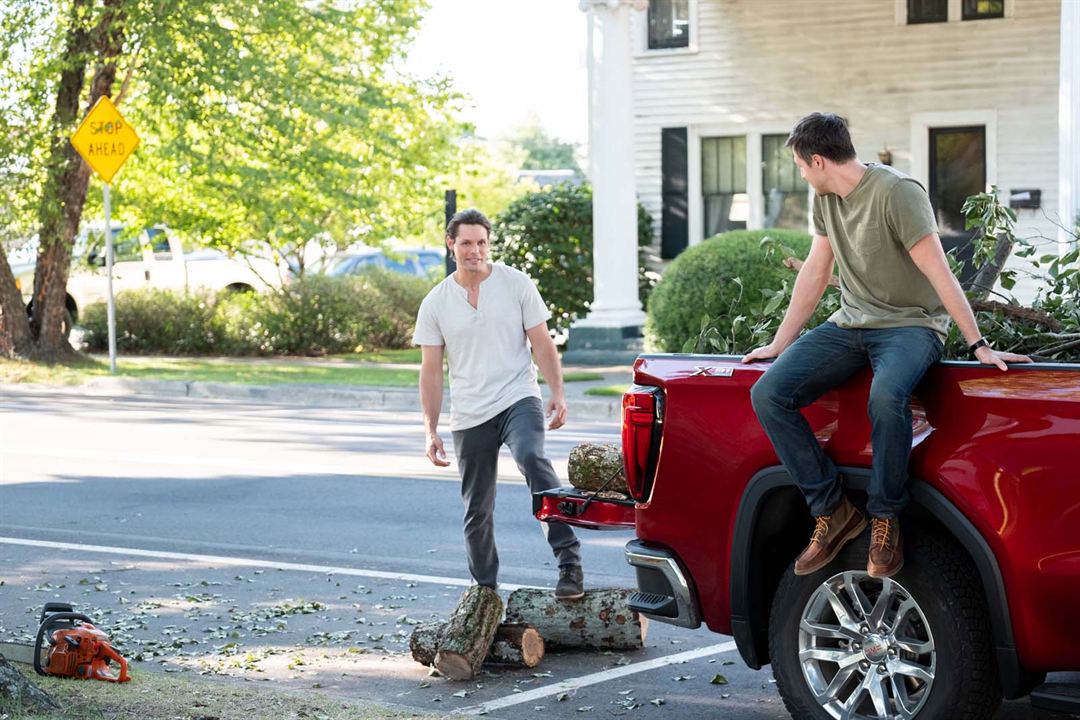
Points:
[(250, 562), (595, 678)]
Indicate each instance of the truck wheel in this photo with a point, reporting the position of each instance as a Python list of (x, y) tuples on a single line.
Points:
[(917, 645)]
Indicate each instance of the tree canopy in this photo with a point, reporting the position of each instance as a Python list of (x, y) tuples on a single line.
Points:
[(272, 122)]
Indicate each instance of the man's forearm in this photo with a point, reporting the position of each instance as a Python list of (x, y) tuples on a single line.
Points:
[(810, 285), (547, 358), (431, 397), (956, 304)]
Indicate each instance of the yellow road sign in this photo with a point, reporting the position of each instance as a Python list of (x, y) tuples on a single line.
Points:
[(104, 139)]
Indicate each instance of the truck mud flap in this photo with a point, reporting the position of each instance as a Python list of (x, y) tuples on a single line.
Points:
[(584, 509)]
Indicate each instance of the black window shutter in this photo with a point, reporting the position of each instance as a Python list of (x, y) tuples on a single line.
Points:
[(674, 227)]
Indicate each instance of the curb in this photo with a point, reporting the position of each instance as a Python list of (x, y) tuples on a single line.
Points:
[(326, 396)]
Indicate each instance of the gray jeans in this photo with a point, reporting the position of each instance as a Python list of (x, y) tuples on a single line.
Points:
[(521, 428)]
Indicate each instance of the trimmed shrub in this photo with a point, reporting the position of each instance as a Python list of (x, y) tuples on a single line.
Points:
[(729, 283), (548, 236), (155, 321), (314, 316)]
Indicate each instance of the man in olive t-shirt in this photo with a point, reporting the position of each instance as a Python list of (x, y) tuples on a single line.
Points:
[(897, 294)]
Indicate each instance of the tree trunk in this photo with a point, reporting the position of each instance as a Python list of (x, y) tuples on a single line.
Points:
[(16, 688), (597, 467), (15, 338), (987, 276), (469, 633), (600, 620), (518, 645), (64, 192)]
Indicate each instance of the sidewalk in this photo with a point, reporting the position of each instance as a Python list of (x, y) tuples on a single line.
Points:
[(579, 405)]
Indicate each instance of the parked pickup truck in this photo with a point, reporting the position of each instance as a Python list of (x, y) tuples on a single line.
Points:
[(153, 258), (986, 604)]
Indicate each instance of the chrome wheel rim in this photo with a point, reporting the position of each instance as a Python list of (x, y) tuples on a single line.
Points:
[(866, 649)]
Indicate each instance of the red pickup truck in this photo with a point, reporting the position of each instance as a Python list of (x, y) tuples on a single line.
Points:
[(985, 604)]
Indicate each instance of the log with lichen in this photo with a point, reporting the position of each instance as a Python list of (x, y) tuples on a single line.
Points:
[(601, 619), (468, 635), (597, 467), (517, 644)]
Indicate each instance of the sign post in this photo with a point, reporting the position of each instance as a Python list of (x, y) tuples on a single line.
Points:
[(106, 141)]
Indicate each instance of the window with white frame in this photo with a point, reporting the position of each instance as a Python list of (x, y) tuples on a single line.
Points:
[(669, 24), (723, 184), (927, 11), (917, 12), (786, 194), (982, 9)]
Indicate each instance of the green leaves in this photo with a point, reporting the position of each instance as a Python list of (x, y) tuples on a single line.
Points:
[(738, 282), (275, 122), (548, 236)]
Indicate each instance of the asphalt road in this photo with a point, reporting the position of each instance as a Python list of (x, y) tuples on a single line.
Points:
[(299, 546)]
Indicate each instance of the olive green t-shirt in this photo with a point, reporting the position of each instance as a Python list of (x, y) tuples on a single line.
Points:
[(871, 231)]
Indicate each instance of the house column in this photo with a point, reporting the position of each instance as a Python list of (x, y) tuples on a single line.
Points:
[(612, 330), (1069, 119)]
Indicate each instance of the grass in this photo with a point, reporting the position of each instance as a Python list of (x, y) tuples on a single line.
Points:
[(160, 696), (607, 391), (279, 372), (408, 355), (275, 371)]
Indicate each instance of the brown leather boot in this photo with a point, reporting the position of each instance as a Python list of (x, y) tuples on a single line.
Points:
[(886, 550), (831, 533)]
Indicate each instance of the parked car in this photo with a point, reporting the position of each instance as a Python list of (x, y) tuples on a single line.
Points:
[(980, 609), (152, 258), (421, 262)]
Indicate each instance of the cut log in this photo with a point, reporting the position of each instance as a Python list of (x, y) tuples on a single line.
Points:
[(424, 642), (518, 645), (596, 467), (16, 688), (601, 619), (467, 637)]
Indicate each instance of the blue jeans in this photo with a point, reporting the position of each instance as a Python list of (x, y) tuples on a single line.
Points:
[(819, 361)]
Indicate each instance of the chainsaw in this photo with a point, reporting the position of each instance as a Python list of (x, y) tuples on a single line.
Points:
[(68, 645)]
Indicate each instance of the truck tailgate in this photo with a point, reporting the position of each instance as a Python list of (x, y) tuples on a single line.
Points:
[(581, 508)]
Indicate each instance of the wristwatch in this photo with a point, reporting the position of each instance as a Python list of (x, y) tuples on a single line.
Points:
[(981, 342)]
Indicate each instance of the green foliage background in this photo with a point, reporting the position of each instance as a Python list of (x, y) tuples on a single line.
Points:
[(315, 316), (548, 236), (263, 125), (726, 294)]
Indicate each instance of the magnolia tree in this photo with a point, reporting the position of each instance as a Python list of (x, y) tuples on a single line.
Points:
[(264, 126)]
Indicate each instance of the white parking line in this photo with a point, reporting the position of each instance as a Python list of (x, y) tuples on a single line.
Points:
[(595, 678), (250, 562)]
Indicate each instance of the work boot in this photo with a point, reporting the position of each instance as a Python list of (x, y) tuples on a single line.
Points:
[(831, 533), (571, 583), (886, 550)]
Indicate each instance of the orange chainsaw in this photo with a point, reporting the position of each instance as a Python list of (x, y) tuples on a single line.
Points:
[(73, 647)]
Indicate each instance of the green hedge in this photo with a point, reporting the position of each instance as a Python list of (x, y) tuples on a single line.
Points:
[(314, 316), (548, 236), (722, 294)]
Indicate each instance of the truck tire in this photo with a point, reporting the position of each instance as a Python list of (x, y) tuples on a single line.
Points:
[(926, 652)]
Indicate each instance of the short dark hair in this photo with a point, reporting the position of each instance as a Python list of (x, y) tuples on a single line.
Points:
[(824, 134), (472, 216)]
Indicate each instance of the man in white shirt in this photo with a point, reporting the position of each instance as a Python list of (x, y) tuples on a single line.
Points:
[(486, 316)]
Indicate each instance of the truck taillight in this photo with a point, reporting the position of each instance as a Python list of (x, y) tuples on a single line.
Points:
[(640, 438)]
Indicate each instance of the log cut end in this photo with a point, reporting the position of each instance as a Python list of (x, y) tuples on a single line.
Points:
[(454, 665)]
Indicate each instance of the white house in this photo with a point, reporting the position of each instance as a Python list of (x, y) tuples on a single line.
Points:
[(961, 94)]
